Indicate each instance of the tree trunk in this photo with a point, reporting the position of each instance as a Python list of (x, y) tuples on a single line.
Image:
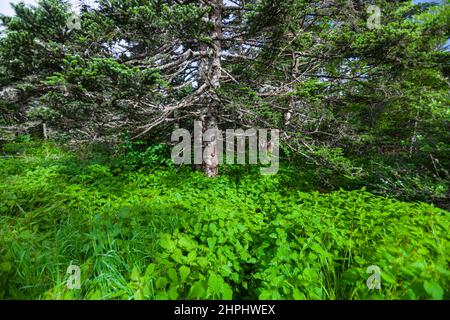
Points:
[(44, 131), (210, 73), (292, 99)]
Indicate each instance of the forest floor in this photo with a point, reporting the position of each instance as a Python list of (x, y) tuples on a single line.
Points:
[(168, 233)]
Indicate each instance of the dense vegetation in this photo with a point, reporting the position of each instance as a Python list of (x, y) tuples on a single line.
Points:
[(88, 104), (168, 233)]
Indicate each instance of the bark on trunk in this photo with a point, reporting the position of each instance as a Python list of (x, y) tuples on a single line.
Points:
[(44, 131), (292, 100), (210, 73)]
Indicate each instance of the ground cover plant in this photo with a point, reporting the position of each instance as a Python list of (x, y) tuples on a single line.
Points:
[(170, 233)]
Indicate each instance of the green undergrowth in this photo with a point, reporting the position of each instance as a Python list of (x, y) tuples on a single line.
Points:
[(170, 233)]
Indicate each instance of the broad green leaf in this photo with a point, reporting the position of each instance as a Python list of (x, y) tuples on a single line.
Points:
[(184, 273), (434, 290), (197, 291)]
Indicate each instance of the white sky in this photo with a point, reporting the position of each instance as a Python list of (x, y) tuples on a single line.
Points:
[(5, 7)]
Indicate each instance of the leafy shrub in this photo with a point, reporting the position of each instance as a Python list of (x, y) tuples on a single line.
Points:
[(308, 246), (138, 154), (167, 233)]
